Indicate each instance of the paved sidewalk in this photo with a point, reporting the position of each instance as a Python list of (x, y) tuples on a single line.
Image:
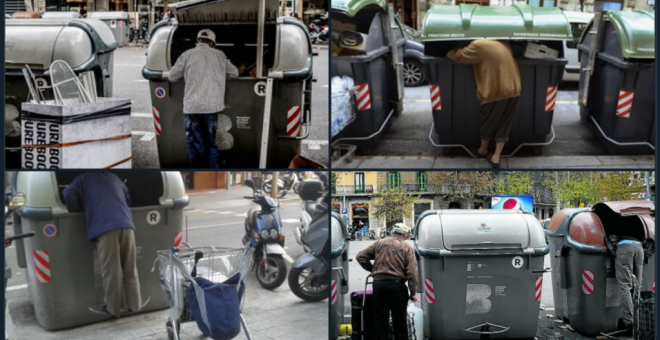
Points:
[(544, 162)]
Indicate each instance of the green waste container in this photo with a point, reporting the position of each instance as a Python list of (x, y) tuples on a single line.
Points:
[(584, 285), (454, 105), (621, 99), (339, 280), (287, 62), (63, 272), (87, 45), (363, 49), (480, 273)]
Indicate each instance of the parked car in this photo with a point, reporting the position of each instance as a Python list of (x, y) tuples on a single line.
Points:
[(579, 22), (413, 70)]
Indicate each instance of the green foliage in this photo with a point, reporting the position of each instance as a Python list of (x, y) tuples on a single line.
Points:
[(463, 184), (393, 204), (515, 183)]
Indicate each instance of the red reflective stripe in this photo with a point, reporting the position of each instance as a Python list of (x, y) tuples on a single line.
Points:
[(38, 257), (293, 116), (429, 287), (293, 129), (42, 274)]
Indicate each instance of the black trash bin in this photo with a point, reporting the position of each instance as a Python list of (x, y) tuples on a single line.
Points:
[(620, 102), (362, 49), (455, 108), (584, 285)]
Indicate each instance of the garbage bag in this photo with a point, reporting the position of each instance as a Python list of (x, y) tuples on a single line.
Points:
[(222, 307)]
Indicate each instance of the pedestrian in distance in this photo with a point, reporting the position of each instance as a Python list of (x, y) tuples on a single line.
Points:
[(629, 262), (498, 90), (205, 70), (105, 200), (394, 265)]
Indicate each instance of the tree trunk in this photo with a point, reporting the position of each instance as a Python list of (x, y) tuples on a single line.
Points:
[(274, 188)]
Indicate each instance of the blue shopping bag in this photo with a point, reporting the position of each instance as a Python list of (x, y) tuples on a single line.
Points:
[(222, 307)]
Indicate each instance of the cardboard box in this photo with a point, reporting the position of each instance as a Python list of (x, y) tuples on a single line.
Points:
[(94, 135), (536, 51)]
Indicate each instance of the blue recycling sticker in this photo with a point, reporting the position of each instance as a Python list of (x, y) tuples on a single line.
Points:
[(160, 92), (50, 230)]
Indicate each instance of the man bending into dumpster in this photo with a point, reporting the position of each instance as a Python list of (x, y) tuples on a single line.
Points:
[(394, 265), (205, 71), (629, 262), (498, 89), (104, 199)]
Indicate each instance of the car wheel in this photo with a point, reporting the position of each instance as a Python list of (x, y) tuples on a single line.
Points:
[(413, 73)]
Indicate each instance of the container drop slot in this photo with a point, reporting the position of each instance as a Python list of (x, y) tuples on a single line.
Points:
[(145, 188), (238, 42), (365, 31), (518, 47), (628, 226)]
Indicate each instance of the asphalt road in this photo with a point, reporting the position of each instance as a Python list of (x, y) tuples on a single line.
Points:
[(129, 83), (548, 327), (408, 135), (212, 219)]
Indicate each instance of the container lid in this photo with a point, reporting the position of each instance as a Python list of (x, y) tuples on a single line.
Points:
[(517, 22), (195, 12), (626, 208), (352, 7), (587, 229), (636, 31), (456, 230), (61, 15), (109, 15)]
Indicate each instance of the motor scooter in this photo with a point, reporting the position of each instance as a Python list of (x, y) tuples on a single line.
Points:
[(286, 181), (309, 274), (263, 232)]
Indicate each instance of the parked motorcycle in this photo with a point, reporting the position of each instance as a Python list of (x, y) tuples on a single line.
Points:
[(313, 190), (309, 275), (263, 232), (318, 32), (286, 181), (141, 33)]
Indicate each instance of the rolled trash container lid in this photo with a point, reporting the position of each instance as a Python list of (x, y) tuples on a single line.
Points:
[(25, 15), (636, 31), (634, 208), (455, 230), (517, 22), (209, 12), (109, 15), (586, 228), (352, 7)]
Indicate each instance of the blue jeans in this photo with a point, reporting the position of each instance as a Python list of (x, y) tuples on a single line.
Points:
[(200, 137)]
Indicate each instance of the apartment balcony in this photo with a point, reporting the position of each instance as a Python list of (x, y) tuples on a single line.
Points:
[(353, 190)]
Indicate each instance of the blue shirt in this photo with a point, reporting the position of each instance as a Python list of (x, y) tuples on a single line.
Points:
[(622, 242), (105, 200)]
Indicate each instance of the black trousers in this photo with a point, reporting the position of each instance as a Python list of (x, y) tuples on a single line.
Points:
[(390, 296), (497, 119)]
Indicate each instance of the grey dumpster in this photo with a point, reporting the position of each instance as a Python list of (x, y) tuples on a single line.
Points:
[(454, 106), (339, 280), (118, 23), (287, 61), (63, 271), (474, 265), (61, 15), (363, 49), (621, 99), (87, 45), (584, 285)]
